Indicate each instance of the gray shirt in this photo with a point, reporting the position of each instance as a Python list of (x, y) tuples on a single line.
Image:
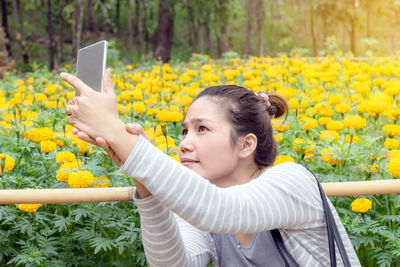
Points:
[(262, 252), (177, 220)]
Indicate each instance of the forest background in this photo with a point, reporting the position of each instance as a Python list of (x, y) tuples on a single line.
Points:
[(49, 33)]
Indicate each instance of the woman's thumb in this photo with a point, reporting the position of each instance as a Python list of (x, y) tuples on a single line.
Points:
[(108, 86)]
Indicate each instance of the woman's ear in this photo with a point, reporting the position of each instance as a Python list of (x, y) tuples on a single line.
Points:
[(248, 145)]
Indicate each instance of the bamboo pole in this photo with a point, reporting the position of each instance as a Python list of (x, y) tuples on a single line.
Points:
[(120, 194)]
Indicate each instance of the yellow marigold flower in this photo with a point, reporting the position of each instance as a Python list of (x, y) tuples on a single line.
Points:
[(40, 97), (297, 144), (7, 163), (335, 125), (101, 182), (355, 122), (30, 80), (329, 136), (335, 99), (283, 158), (161, 143), (83, 147), (65, 156), (361, 205), (169, 116), (80, 179), (394, 166), (47, 146), (278, 137), (354, 140), (326, 111), (310, 124), (29, 207), (342, 108), (310, 149), (71, 94), (391, 143), (50, 104), (330, 155), (374, 168), (185, 78), (40, 134), (70, 165), (324, 120), (63, 175), (393, 154), (391, 129), (231, 74), (176, 157), (138, 107), (278, 125)]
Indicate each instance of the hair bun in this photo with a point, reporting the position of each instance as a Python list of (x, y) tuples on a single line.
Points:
[(276, 105), (272, 110)]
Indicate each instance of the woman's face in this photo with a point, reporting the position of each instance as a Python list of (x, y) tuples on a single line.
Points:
[(206, 146)]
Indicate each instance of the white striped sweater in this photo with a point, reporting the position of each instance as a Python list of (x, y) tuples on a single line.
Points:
[(185, 207)]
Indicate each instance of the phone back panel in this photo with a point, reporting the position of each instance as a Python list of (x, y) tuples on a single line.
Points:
[(91, 65)]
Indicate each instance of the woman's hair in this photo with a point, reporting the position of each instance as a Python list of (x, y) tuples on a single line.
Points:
[(250, 112)]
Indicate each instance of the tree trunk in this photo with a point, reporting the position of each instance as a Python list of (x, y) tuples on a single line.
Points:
[(92, 20), (352, 34), (117, 15), (20, 36), (210, 41), (129, 24), (4, 24), (77, 28), (260, 27), (249, 28), (51, 37), (221, 40), (201, 39), (191, 27), (314, 41), (139, 26), (368, 18), (60, 54), (162, 38), (146, 33), (393, 31)]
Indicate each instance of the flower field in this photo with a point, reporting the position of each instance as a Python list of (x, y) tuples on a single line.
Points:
[(343, 124)]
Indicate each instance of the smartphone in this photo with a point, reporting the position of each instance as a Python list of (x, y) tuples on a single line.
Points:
[(91, 64)]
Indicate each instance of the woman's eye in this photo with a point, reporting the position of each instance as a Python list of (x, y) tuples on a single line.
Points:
[(203, 128), (184, 132)]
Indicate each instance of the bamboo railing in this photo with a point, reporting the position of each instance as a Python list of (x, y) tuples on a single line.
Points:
[(121, 194)]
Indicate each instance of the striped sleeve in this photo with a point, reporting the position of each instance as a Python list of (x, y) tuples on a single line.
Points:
[(168, 240), (285, 196)]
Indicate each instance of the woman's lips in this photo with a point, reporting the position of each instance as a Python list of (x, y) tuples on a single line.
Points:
[(188, 162)]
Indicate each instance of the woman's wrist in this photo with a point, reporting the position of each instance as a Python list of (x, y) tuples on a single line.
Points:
[(121, 142)]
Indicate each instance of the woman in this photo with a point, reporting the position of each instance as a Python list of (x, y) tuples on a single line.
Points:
[(226, 196)]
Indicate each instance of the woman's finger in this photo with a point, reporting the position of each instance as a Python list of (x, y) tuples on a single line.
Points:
[(80, 86), (75, 131), (136, 129), (83, 136), (108, 86), (103, 144)]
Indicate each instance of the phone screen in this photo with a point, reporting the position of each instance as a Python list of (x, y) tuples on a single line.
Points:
[(91, 64)]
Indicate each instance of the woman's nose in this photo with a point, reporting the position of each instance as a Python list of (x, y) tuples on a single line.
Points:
[(186, 144)]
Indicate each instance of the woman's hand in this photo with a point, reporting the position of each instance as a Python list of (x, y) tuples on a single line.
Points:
[(98, 141), (94, 113)]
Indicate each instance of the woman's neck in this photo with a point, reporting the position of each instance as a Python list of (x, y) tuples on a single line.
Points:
[(243, 174)]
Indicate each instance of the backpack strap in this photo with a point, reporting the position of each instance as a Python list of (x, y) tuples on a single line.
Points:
[(333, 232), (286, 257)]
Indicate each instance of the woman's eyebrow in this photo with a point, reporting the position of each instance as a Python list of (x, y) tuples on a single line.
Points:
[(195, 121)]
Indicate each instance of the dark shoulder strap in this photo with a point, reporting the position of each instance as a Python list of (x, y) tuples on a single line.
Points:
[(287, 258), (333, 232)]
